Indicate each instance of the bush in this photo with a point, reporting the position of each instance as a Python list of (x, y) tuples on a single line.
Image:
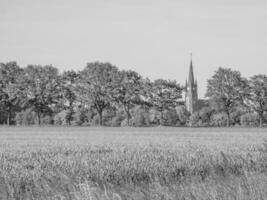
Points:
[(140, 117), (205, 114), (195, 120), (219, 119), (124, 123), (29, 117), (183, 115), (108, 115), (47, 120), (69, 116), (94, 122), (60, 118), (82, 116), (154, 116), (3, 116), (170, 118), (264, 117), (236, 115), (249, 119), (26, 117), (118, 119)]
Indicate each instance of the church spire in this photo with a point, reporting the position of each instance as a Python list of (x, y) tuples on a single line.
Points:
[(191, 97), (191, 73)]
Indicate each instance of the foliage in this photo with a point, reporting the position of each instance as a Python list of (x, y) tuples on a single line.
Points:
[(235, 116), (83, 116), (205, 115), (256, 95), (119, 118), (165, 95), (61, 118), (108, 115), (69, 81), (25, 117), (170, 118), (183, 115), (220, 119), (140, 117), (225, 89), (10, 89), (194, 120), (101, 94), (130, 91), (97, 85), (249, 119), (41, 90)]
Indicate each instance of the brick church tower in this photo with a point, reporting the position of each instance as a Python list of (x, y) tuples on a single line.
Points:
[(191, 96)]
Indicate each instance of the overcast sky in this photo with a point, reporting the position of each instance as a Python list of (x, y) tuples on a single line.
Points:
[(153, 37)]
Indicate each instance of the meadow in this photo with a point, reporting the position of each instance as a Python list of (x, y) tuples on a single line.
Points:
[(133, 163)]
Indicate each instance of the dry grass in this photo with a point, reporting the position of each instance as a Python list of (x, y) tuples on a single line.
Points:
[(128, 163)]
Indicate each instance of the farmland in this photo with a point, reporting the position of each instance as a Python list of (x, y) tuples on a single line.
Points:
[(132, 163)]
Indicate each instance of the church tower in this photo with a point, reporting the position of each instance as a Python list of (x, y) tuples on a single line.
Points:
[(191, 96)]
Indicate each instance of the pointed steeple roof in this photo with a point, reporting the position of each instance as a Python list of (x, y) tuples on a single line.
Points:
[(191, 73)]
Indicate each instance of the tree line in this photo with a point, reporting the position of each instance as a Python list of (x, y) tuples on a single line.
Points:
[(103, 95)]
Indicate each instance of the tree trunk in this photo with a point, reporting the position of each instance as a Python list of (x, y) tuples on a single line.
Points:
[(39, 118), (8, 119), (261, 119), (71, 114), (9, 116), (100, 118), (128, 120), (128, 115), (161, 118), (228, 119)]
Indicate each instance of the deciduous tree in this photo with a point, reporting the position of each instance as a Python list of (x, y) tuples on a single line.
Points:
[(130, 91), (256, 95), (10, 73), (69, 81), (97, 86), (225, 90), (165, 95), (41, 89)]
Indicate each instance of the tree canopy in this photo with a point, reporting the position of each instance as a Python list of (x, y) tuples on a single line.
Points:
[(41, 90), (256, 95), (225, 89), (102, 94)]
